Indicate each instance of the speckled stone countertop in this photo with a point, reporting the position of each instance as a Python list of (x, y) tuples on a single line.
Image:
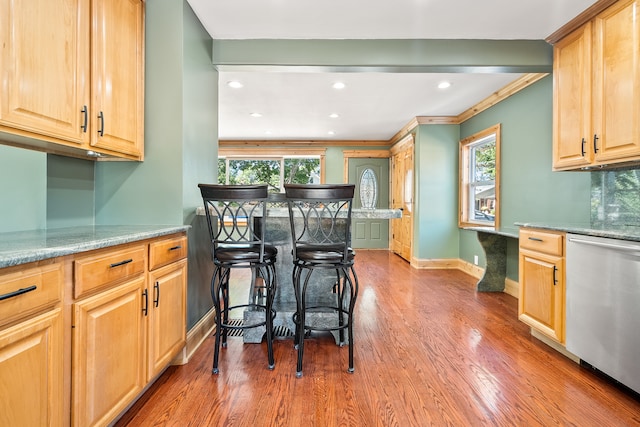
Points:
[(622, 232), (355, 213), (21, 247)]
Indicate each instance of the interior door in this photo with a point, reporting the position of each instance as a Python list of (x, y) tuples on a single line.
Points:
[(402, 198), (370, 233)]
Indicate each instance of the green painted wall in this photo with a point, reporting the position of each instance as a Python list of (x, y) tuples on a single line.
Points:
[(436, 196), (70, 192), (529, 190), (23, 189)]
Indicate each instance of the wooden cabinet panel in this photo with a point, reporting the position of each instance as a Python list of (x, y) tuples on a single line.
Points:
[(597, 91), (29, 290), (99, 269), (541, 303), (44, 61), (616, 85), (118, 75), (31, 372), (572, 100), (166, 251), (542, 241), (167, 315), (108, 353), (72, 73)]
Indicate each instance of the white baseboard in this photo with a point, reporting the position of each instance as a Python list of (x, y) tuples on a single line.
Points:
[(511, 287)]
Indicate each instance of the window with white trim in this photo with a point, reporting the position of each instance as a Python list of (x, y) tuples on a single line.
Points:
[(480, 178)]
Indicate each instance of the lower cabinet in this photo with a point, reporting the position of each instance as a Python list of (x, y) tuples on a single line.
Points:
[(108, 353), (541, 302), (31, 345), (165, 334), (129, 322), (31, 372)]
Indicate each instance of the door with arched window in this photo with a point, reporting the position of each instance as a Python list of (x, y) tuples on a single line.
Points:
[(371, 178)]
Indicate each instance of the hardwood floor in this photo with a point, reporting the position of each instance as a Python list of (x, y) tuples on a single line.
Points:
[(429, 350)]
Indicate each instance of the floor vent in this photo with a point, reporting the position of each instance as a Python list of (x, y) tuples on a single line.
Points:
[(279, 331)]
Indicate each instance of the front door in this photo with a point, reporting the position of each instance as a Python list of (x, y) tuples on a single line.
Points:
[(371, 178)]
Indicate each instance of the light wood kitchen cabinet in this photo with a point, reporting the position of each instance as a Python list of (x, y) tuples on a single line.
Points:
[(108, 344), (596, 91), (129, 322), (117, 74), (541, 302), (166, 327), (31, 345), (72, 73)]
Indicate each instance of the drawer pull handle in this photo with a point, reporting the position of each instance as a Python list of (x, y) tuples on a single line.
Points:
[(18, 292), (175, 248), (145, 309), (101, 127), (156, 293), (536, 239), (118, 264)]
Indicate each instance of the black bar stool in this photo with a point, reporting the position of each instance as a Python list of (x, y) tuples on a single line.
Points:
[(320, 217), (236, 217)]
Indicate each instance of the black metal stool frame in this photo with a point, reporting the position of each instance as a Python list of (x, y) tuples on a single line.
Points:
[(320, 217), (236, 217)]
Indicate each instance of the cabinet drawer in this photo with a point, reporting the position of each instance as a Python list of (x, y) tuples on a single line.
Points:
[(103, 268), (29, 290), (542, 241), (166, 251)]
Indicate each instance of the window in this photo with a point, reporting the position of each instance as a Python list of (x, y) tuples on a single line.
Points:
[(274, 170), (480, 179), (368, 189)]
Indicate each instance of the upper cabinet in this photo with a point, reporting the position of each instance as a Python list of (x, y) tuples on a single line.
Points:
[(72, 76), (597, 91)]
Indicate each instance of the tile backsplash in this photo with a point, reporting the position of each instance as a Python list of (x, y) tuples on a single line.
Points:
[(615, 198)]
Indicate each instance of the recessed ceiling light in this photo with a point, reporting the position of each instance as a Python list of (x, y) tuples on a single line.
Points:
[(334, 115), (234, 84), (255, 115), (268, 132), (331, 133), (443, 85), (339, 85)]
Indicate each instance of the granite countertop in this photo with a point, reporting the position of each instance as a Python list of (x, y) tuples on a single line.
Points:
[(513, 232), (620, 231), (21, 247)]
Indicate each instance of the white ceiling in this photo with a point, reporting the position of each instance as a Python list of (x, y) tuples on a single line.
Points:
[(373, 105)]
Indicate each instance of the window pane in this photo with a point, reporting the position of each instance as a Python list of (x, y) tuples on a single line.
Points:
[(222, 171), (255, 172), (301, 171), (484, 203), (484, 164)]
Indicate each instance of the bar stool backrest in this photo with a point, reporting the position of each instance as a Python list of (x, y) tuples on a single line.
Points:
[(235, 216), (320, 216)]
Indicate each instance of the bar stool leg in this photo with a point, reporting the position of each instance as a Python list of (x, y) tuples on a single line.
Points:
[(215, 294)]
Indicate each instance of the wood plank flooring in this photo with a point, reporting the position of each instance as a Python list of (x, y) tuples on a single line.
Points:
[(429, 351)]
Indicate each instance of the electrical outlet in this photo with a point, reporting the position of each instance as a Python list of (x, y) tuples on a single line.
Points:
[(475, 259)]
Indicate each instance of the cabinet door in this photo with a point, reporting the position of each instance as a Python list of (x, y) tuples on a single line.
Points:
[(31, 378), (44, 61), (617, 82), (167, 315), (572, 135), (118, 75), (541, 302), (108, 343)]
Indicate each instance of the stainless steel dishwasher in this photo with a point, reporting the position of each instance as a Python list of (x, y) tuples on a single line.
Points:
[(603, 305)]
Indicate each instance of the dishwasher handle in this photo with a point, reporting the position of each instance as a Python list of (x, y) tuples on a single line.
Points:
[(614, 246)]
